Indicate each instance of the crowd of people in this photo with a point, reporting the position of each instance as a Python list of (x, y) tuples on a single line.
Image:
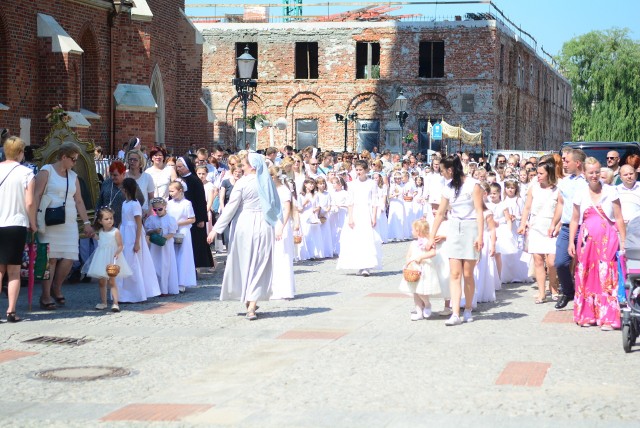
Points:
[(474, 226)]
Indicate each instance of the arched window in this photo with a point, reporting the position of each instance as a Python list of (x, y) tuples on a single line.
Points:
[(88, 83), (157, 89)]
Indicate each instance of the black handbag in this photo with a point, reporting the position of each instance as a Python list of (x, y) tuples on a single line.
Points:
[(56, 216)]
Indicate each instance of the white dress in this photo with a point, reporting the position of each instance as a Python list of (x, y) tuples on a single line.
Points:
[(441, 262), (339, 201), (543, 207), (408, 190), (161, 180), (63, 238), (382, 224), (429, 282), (143, 283), (283, 284), (180, 211), (323, 200), (397, 218), (164, 257), (515, 267), (311, 246), (485, 272), (505, 238), (248, 272), (361, 246), (146, 185), (96, 265)]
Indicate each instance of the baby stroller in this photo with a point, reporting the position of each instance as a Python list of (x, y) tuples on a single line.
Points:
[(629, 296)]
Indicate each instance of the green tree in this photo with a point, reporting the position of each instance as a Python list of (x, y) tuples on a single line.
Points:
[(604, 70)]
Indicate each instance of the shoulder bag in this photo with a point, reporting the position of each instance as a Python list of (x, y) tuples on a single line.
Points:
[(56, 216)]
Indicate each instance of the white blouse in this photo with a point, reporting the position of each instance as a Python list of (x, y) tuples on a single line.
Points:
[(461, 207), (608, 195)]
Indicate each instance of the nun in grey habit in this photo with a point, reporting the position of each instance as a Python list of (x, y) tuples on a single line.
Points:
[(252, 210)]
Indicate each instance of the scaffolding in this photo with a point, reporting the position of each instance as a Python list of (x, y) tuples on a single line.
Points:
[(291, 9)]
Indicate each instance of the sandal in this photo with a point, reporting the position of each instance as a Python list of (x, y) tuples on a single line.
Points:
[(251, 316), (540, 301), (12, 317), (51, 306), (60, 300), (555, 297)]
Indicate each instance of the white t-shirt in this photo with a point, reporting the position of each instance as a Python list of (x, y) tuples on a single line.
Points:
[(607, 196), (146, 185), (13, 211), (461, 207), (629, 201)]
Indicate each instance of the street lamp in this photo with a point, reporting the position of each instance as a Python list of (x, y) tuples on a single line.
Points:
[(340, 118), (245, 86), (400, 108)]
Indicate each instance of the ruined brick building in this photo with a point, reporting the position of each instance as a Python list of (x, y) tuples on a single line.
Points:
[(473, 72), (121, 68)]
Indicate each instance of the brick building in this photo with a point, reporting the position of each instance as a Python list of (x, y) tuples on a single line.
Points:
[(121, 68), (475, 72)]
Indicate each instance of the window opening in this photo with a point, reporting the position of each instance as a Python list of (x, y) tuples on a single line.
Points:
[(307, 60), (431, 59)]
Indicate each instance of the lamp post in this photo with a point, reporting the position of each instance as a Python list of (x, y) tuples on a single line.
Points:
[(400, 108), (245, 86), (340, 118)]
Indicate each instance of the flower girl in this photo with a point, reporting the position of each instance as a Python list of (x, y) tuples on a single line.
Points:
[(182, 211), (339, 209), (419, 257), (109, 251), (323, 200), (161, 228)]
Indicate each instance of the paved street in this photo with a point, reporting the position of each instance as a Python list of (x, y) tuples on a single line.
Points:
[(343, 353)]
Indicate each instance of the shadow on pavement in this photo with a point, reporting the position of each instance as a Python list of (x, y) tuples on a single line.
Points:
[(293, 312), (318, 294)]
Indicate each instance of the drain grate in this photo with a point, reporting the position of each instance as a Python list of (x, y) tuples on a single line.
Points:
[(53, 340), (82, 374)]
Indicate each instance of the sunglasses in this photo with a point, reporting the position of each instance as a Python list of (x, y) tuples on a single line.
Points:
[(612, 157), (74, 160), (158, 210), (313, 164)]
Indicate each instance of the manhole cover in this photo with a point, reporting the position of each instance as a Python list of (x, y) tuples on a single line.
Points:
[(53, 340), (82, 374)]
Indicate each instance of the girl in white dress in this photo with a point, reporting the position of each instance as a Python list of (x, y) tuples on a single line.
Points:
[(515, 267), (408, 193), (143, 283), (360, 244), (382, 223), (324, 204), (283, 285), (311, 246), (418, 198), (109, 251), (397, 218), (182, 211), (485, 273), (164, 256), (421, 258), (339, 209), (209, 193), (541, 204)]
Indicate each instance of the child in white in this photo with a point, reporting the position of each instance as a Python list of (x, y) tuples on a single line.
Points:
[(408, 193), (182, 211), (397, 218), (164, 256), (515, 267), (505, 240), (339, 209), (323, 201), (381, 222), (109, 251), (143, 283), (485, 273), (311, 246), (421, 258)]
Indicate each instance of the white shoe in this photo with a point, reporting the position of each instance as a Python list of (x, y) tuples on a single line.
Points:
[(101, 307), (365, 272), (454, 320), (417, 316), (182, 289), (446, 312), (467, 316), (426, 312)]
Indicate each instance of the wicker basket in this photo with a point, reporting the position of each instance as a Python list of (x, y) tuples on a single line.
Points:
[(411, 275), (297, 239), (113, 270), (408, 198), (178, 238)]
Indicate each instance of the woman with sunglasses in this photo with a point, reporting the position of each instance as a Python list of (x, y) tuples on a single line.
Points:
[(58, 186)]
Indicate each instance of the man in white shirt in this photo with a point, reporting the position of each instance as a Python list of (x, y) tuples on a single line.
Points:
[(629, 192), (312, 172), (569, 186)]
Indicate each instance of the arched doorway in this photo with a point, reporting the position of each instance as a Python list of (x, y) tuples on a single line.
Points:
[(157, 90)]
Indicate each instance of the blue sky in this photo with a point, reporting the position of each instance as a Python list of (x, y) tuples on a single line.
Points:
[(550, 22)]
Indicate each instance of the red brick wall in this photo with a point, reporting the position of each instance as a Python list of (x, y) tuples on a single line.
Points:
[(35, 79), (509, 116)]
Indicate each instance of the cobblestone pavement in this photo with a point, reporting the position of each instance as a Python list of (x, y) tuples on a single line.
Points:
[(343, 353)]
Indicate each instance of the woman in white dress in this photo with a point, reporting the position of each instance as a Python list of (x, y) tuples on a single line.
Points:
[(181, 210), (137, 164), (143, 283), (360, 244), (298, 172), (161, 174), (57, 185), (542, 198), (253, 210), (283, 283)]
